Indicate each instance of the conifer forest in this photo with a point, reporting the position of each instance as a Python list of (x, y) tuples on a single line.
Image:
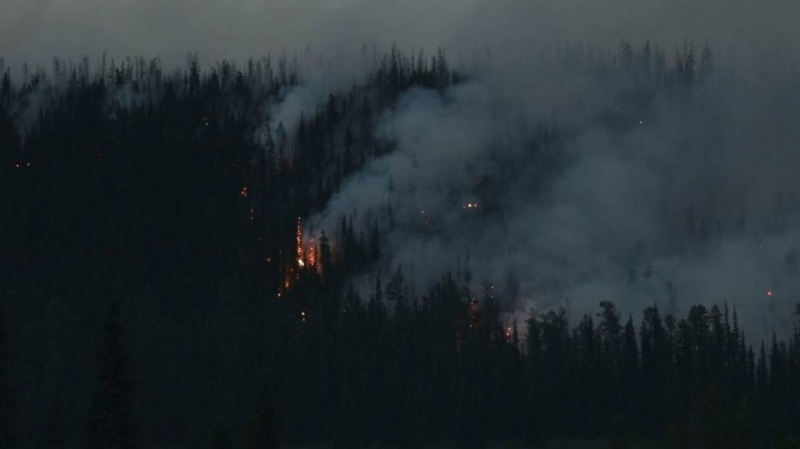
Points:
[(525, 238)]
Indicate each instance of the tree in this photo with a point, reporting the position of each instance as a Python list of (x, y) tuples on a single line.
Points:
[(220, 435), (6, 391), (110, 424), (54, 433), (262, 430)]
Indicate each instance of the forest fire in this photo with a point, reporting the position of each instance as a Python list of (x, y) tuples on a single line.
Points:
[(474, 316), (312, 254), (299, 244)]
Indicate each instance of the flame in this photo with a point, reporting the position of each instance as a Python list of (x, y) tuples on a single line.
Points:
[(312, 255), (299, 243)]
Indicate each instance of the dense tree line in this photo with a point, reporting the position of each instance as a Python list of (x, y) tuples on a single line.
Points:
[(153, 292)]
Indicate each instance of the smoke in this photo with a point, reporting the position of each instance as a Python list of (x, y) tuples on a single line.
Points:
[(685, 200)]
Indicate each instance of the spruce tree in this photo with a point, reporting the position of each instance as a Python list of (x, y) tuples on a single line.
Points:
[(110, 421)]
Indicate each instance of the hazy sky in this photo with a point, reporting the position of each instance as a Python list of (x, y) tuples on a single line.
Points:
[(37, 30)]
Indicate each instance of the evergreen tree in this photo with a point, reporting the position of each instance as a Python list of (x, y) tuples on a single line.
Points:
[(7, 411), (262, 430), (110, 421)]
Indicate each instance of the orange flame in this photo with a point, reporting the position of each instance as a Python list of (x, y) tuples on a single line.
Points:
[(312, 255), (299, 244)]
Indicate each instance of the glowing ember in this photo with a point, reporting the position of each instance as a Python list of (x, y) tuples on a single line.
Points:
[(312, 255), (299, 243)]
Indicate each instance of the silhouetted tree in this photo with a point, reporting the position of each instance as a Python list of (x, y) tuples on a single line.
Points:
[(110, 421)]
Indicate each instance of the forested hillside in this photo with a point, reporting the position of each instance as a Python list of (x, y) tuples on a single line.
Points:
[(181, 269)]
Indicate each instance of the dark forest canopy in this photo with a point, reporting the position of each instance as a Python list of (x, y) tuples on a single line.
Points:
[(158, 288)]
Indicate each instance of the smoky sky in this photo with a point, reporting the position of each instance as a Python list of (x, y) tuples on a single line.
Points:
[(37, 30)]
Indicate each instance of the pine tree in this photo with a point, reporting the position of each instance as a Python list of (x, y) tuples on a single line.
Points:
[(6, 389), (262, 430), (220, 435), (110, 422)]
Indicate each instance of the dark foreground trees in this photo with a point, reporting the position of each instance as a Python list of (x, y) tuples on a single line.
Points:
[(111, 421)]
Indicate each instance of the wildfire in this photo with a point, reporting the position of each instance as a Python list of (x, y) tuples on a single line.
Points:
[(299, 243), (473, 313), (312, 254)]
